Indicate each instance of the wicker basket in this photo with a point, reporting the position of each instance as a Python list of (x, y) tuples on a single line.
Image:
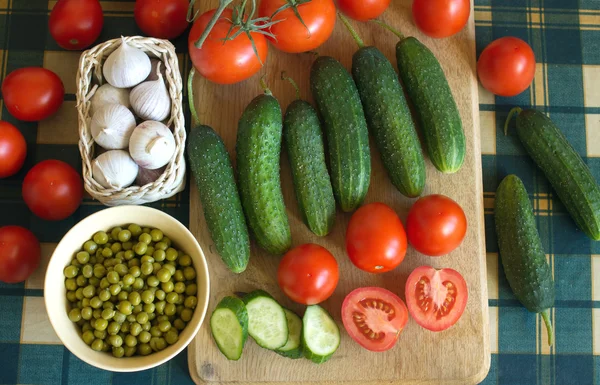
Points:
[(89, 77)]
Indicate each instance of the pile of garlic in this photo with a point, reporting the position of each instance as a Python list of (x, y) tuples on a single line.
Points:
[(127, 120)]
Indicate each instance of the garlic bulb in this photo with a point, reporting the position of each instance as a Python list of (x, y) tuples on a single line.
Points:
[(126, 67), (150, 100), (152, 145), (107, 94), (146, 176), (114, 169), (155, 63), (112, 126)]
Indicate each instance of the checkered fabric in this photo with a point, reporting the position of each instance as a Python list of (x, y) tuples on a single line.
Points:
[(565, 35)]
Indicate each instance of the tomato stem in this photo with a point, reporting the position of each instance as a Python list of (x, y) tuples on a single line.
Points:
[(195, 119), (389, 28), (518, 110), (189, 18), (292, 82), (264, 85), (222, 5), (352, 31), (293, 4), (546, 317)]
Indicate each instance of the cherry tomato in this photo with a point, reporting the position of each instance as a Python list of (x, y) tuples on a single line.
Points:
[(291, 36), (441, 18), (13, 149), (363, 10), (32, 93), (374, 317), (436, 225), (375, 239), (308, 274), (53, 190), (506, 66), (19, 254), (225, 62), (163, 19), (76, 24), (436, 298)]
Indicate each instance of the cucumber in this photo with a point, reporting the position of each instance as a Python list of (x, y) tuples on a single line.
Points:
[(520, 249), (258, 149), (563, 167), (267, 323), (293, 347), (229, 327), (346, 131), (320, 334)]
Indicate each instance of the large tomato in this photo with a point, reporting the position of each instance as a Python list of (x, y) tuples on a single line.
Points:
[(13, 149), (436, 225), (308, 274), (506, 67), (230, 61), (53, 190), (19, 254), (290, 35), (374, 317), (164, 19), (32, 93), (76, 24), (441, 18), (363, 10), (375, 239), (436, 298)]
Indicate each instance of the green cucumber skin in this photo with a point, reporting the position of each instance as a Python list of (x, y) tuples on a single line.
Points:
[(238, 307), (304, 143), (258, 151), (298, 351), (211, 166), (563, 167), (520, 247), (389, 120), (346, 131), (261, 293), (316, 358), (435, 107)]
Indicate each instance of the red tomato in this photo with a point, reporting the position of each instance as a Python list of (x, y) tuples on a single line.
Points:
[(53, 190), (506, 66), (441, 18), (13, 149), (163, 19), (225, 62), (308, 274), (374, 317), (363, 10), (291, 36), (436, 225), (32, 93), (76, 24), (375, 239), (436, 298), (19, 254)]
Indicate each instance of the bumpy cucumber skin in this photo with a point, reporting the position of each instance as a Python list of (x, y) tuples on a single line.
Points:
[(215, 179), (238, 307), (346, 131), (435, 108), (520, 247), (306, 153), (568, 174), (258, 150), (389, 120)]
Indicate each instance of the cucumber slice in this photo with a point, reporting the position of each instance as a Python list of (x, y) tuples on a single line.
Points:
[(321, 335), (292, 348), (229, 327), (266, 320)]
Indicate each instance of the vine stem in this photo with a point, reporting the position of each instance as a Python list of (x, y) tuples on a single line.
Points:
[(546, 317), (222, 5), (352, 31), (195, 119), (389, 28), (292, 82), (518, 110), (264, 85)]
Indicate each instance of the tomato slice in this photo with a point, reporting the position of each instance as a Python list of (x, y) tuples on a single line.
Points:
[(436, 298), (374, 317)]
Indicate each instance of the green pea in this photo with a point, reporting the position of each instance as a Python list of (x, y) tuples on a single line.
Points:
[(75, 315), (145, 238), (116, 249), (138, 284), (144, 337), (85, 302), (155, 331), (125, 307), (99, 271), (146, 326), (189, 273), (179, 308), (144, 349), (121, 269), (170, 309), (114, 289), (124, 235), (138, 309), (135, 271), (71, 284), (81, 281), (159, 255), (186, 314), (170, 267), (96, 302), (115, 340), (160, 307), (172, 297), (191, 302), (168, 241), (128, 280), (156, 235), (112, 277), (113, 328), (164, 326), (179, 288), (172, 336), (152, 281), (142, 317), (100, 334), (107, 252), (89, 291), (104, 295), (125, 327), (164, 275), (83, 257), (130, 340), (160, 295), (98, 255), (156, 266), (146, 268), (135, 329), (146, 258), (129, 254), (118, 352), (149, 307), (178, 276), (97, 313), (191, 289), (171, 254), (134, 230), (90, 247), (160, 246), (133, 262), (114, 232), (108, 305), (129, 350), (134, 298), (167, 287), (104, 284), (119, 317), (161, 318), (88, 337), (97, 344), (131, 318), (71, 271), (108, 314), (150, 251), (185, 260), (158, 344), (101, 324), (79, 293), (71, 296), (179, 324), (140, 248), (94, 281), (87, 271)]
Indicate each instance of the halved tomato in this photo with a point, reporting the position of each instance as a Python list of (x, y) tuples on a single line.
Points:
[(436, 298), (374, 317)]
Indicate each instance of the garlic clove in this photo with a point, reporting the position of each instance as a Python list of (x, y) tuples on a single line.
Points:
[(107, 94), (114, 169), (150, 100), (152, 145), (127, 66), (112, 126)]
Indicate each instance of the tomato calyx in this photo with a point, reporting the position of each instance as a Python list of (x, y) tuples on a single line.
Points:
[(293, 4), (374, 309)]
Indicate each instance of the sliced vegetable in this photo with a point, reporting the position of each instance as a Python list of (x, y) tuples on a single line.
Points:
[(293, 347), (320, 334), (267, 322), (229, 327)]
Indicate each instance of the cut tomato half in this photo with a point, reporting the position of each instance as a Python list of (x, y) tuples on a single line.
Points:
[(436, 299), (374, 317)]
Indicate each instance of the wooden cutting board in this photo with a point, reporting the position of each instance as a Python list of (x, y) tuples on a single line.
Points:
[(459, 355)]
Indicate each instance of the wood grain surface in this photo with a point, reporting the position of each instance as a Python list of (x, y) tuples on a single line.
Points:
[(459, 355)]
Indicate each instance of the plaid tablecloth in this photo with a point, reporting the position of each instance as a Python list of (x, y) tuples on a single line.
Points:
[(565, 35)]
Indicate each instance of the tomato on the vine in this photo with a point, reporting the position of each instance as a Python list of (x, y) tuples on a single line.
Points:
[(441, 18), (13, 149), (19, 253), (290, 34), (363, 10), (163, 19)]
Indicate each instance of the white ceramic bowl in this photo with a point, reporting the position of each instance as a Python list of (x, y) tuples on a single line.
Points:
[(55, 292)]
